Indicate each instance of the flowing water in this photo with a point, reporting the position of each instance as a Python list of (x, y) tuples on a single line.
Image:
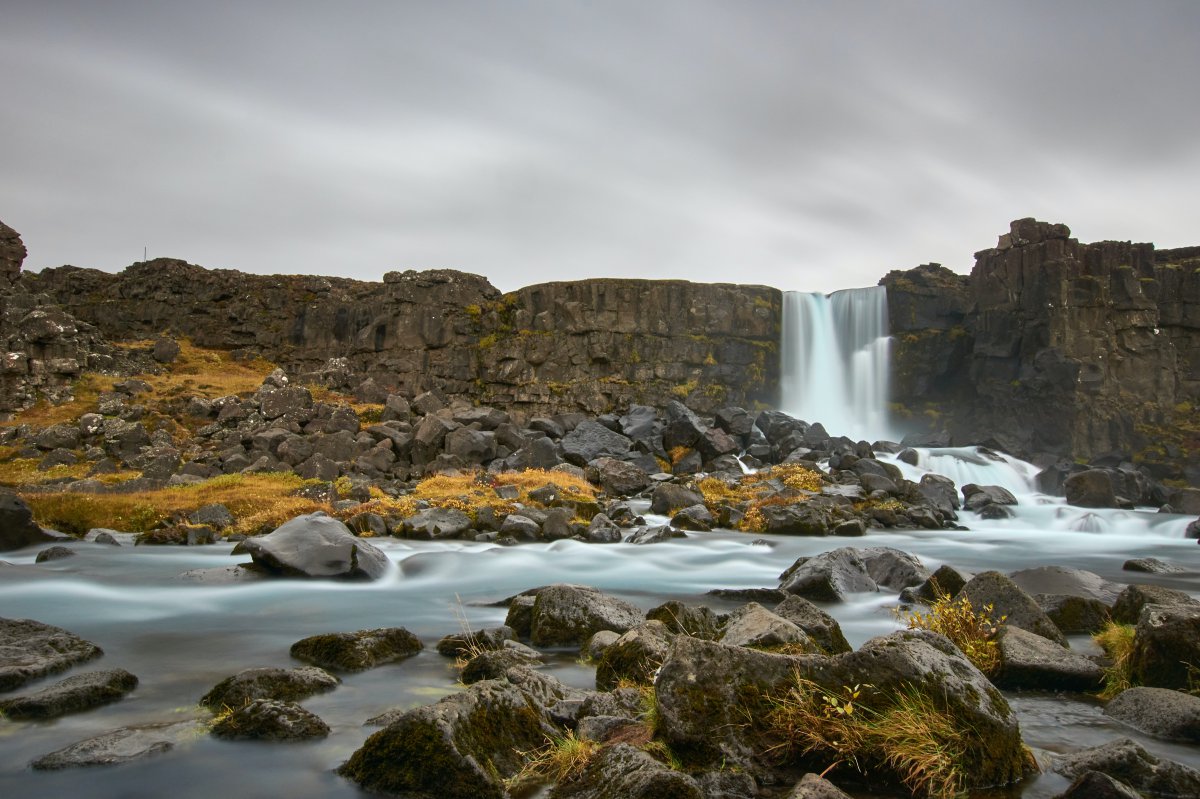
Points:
[(181, 638)]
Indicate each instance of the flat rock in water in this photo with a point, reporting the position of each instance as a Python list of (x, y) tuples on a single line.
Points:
[(286, 685), (1094, 785), (226, 575), (270, 720), (1033, 662), (120, 746), (30, 649), (1066, 580), (72, 695), (315, 545), (1128, 761), (1151, 566), (359, 650), (1160, 712)]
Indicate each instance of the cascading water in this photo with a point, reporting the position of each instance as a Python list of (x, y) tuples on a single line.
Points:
[(834, 360)]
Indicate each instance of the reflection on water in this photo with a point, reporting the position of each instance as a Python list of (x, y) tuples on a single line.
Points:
[(180, 637)]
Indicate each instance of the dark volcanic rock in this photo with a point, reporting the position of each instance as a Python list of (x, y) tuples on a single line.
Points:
[(1007, 599), (359, 650), (812, 786), (1161, 712), (591, 440), (286, 685), (1127, 608), (635, 656), (270, 720), (1094, 785), (315, 545), (1091, 488), (1033, 662), (17, 528), (72, 695), (1166, 642), (821, 628), (30, 649), (564, 615)]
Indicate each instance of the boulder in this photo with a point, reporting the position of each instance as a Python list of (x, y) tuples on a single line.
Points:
[(813, 786), (17, 528), (945, 581), (1029, 661), (1074, 614), (694, 620), (495, 663), (821, 628), (695, 518), (567, 615), (357, 651), (939, 492), (1160, 712), (619, 478), (624, 771), (434, 524), (120, 746), (602, 530), (459, 748), (977, 497), (30, 650), (669, 497), (286, 685), (315, 545), (1128, 762), (754, 626), (656, 534), (1166, 642), (591, 440), (1067, 581), (800, 519), (462, 643), (893, 568), (1127, 608), (828, 577), (1151, 566), (1091, 488), (1007, 599), (1094, 785), (73, 695), (270, 720), (54, 553), (635, 656)]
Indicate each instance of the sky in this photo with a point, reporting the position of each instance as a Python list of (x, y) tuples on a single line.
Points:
[(804, 145)]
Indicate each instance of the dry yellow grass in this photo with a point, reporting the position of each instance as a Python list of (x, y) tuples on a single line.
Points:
[(754, 492), (1117, 642), (972, 631)]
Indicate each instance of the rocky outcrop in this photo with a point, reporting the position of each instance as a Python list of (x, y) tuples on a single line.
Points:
[(1053, 346)]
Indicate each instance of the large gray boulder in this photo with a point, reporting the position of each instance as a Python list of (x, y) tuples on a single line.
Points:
[(436, 523), (1130, 763), (754, 626), (619, 478), (669, 497), (1091, 488), (17, 528), (73, 695), (1032, 662), (30, 649), (459, 748), (362, 649), (591, 440), (1166, 646), (568, 615), (315, 545), (1161, 712), (1008, 600), (1127, 608)]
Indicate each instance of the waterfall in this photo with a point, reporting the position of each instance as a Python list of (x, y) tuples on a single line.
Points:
[(834, 361)]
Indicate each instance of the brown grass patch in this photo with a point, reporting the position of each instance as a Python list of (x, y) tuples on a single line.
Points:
[(753, 492)]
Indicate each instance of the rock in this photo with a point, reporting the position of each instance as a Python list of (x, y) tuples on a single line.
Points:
[(165, 350), (270, 720), (72, 695), (602, 530), (619, 478), (591, 440), (120, 746), (796, 520), (285, 685), (1029, 661), (1007, 599), (977, 497), (1094, 785), (30, 649), (695, 518), (359, 650), (1151, 566), (635, 656), (1128, 762), (1074, 614), (595, 646), (697, 621), (1160, 712), (821, 628), (653, 535), (214, 515), (495, 663), (828, 577), (17, 528), (459, 644), (939, 492), (1166, 641), (624, 771), (471, 446), (1068, 581), (669, 497), (946, 581), (1091, 488), (722, 784), (813, 786), (522, 528), (459, 748), (893, 568), (1127, 608), (315, 545), (54, 553), (567, 615), (754, 626), (436, 523)]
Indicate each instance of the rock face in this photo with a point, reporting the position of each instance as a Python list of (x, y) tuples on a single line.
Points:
[(1055, 346), (30, 649), (594, 345)]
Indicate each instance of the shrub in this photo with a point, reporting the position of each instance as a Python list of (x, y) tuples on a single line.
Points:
[(973, 632)]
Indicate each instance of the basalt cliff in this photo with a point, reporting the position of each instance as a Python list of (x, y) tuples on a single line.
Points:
[(1050, 348)]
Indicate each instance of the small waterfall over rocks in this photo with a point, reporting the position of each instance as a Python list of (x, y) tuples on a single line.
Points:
[(834, 361)]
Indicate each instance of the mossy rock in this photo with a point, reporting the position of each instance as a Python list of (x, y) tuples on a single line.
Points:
[(286, 685), (359, 650)]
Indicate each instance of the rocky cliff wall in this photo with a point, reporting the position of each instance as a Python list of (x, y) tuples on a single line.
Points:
[(592, 345), (1057, 347)]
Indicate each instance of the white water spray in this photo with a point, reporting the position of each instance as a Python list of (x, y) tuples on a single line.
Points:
[(834, 361)]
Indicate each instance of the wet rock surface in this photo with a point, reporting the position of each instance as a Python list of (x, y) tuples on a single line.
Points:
[(358, 650), (281, 684), (72, 695), (30, 649)]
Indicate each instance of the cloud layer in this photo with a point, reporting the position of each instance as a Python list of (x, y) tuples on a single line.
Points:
[(803, 145)]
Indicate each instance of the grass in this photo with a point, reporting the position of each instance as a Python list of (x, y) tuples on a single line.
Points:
[(1117, 642), (22, 472), (903, 732), (973, 632), (561, 758)]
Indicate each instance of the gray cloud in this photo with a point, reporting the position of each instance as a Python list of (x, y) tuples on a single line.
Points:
[(802, 145)]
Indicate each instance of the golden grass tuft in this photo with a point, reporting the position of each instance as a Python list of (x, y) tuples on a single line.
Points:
[(562, 758), (973, 632), (755, 491), (1117, 642)]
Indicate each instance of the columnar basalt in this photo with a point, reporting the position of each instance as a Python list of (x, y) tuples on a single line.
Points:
[(1052, 346)]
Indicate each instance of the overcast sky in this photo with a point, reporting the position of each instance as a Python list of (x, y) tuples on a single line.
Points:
[(804, 145)]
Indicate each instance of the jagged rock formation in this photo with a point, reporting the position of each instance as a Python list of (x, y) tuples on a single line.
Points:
[(1052, 346), (592, 345)]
